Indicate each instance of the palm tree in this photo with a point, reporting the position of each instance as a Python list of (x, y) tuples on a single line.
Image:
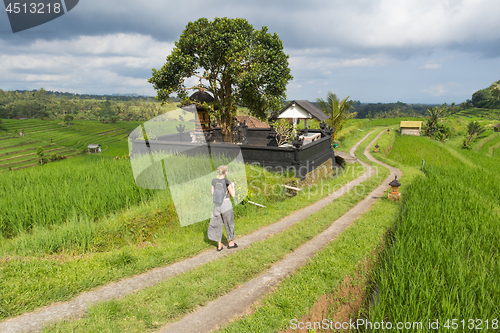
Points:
[(432, 122), (337, 110), (474, 130)]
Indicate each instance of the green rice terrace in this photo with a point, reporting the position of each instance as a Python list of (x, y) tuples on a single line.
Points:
[(21, 138), (75, 225)]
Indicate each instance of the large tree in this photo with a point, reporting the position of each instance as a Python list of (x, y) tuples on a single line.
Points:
[(237, 64)]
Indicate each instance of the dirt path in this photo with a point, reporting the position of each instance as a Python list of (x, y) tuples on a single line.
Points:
[(238, 301), (34, 321)]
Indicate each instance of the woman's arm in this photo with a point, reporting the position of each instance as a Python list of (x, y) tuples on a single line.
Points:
[(212, 190), (231, 190)]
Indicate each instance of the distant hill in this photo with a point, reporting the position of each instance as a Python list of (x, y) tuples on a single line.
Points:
[(389, 110), (114, 97), (483, 98)]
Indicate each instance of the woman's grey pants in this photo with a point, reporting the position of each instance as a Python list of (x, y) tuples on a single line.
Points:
[(221, 215)]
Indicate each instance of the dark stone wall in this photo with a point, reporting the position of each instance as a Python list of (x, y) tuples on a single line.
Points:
[(303, 160)]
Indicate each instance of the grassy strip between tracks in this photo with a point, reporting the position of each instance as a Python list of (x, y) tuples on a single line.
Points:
[(150, 309)]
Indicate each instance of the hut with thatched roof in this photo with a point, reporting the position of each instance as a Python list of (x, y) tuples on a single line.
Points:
[(496, 128)]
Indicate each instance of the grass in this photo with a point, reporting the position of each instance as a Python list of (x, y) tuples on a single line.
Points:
[(47, 197), (323, 273), (66, 275), (353, 131), (492, 142), (479, 113), (438, 263), (122, 256), (180, 295), (289, 301), (50, 135), (393, 122), (410, 151)]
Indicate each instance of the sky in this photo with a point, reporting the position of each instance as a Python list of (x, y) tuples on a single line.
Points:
[(413, 51)]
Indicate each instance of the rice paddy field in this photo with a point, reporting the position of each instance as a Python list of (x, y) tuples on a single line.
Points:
[(442, 262), (79, 223), (43, 197), (19, 151), (478, 112)]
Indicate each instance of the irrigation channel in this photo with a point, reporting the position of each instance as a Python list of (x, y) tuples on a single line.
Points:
[(237, 301)]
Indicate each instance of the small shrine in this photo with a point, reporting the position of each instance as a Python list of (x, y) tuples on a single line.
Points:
[(199, 98), (394, 195)]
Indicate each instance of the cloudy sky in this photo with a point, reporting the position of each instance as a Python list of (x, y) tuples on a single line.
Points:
[(414, 51)]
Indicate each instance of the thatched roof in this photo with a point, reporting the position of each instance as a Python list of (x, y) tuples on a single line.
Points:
[(411, 124), (497, 125), (201, 96)]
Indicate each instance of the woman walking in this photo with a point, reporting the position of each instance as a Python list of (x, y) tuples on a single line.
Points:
[(222, 215)]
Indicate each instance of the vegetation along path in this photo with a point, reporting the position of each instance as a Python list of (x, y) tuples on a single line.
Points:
[(238, 301), (34, 321)]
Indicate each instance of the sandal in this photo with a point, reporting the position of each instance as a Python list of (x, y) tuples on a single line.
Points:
[(232, 247), (218, 250)]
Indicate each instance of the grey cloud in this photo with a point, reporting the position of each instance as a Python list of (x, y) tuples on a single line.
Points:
[(357, 26), (329, 42)]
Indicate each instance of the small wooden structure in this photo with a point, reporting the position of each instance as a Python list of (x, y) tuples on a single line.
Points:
[(411, 128), (394, 195), (496, 128), (199, 98), (377, 148), (94, 148)]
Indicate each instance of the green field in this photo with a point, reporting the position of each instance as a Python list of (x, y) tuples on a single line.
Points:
[(443, 253), (19, 152), (479, 113), (79, 223)]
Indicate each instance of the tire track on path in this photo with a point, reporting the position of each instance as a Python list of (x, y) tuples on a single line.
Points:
[(34, 321), (220, 311)]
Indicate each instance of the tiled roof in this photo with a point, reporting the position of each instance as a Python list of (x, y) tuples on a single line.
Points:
[(252, 122), (309, 107)]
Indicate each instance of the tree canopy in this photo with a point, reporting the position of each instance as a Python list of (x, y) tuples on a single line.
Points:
[(237, 64), (488, 97)]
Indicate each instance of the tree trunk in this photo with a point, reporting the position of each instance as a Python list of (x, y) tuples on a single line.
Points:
[(226, 130), (226, 123)]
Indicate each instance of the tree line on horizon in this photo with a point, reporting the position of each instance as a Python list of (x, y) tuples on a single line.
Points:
[(42, 104)]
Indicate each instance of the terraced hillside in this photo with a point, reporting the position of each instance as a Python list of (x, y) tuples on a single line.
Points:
[(479, 112), (21, 138)]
